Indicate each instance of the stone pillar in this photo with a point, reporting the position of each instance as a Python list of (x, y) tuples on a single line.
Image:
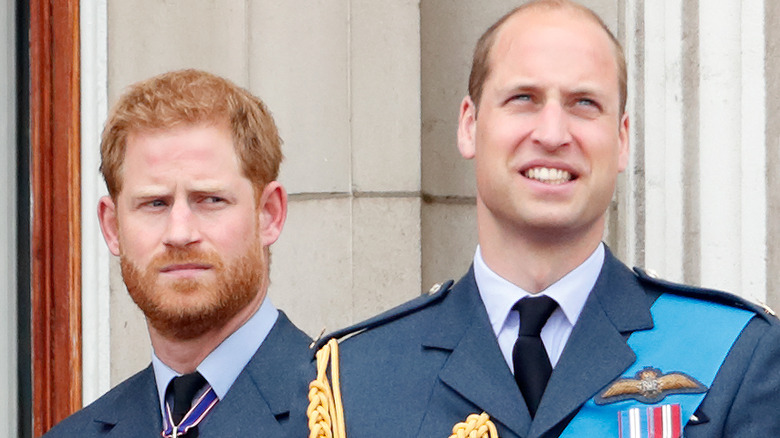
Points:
[(772, 160), (693, 204)]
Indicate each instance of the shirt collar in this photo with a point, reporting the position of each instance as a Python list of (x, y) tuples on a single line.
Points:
[(570, 292), (223, 365)]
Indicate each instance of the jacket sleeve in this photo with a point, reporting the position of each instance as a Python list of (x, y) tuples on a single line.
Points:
[(755, 411)]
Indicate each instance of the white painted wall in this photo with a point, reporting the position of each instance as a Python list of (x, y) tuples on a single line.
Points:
[(95, 309), (8, 346)]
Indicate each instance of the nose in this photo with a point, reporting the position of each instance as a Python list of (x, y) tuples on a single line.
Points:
[(551, 130), (182, 227)]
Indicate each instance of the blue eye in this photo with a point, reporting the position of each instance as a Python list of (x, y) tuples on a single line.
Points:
[(152, 204), (522, 97)]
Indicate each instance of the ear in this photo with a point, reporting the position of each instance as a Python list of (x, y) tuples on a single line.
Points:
[(108, 223), (624, 143), (272, 212), (467, 128)]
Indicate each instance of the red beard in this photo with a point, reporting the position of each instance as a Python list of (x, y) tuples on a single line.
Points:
[(186, 308)]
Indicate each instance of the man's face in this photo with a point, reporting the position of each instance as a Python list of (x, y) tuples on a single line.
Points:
[(186, 226), (548, 138)]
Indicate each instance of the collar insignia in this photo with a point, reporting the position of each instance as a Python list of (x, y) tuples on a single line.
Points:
[(649, 386)]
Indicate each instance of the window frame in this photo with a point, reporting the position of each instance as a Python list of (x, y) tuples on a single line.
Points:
[(55, 256)]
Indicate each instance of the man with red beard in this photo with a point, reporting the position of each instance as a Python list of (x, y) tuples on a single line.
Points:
[(191, 162)]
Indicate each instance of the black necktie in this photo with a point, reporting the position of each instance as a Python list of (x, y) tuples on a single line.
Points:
[(532, 365), (183, 389)]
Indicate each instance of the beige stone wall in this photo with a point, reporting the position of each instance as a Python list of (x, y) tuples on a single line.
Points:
[(772, 103), (366, 97)]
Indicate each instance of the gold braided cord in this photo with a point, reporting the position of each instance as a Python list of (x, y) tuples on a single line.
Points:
[(475, 426), (325, 411)]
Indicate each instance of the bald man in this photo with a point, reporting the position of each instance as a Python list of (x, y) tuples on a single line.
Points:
[(548, 334)]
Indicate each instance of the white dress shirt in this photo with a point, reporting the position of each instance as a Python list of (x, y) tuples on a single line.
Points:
[(223, 365), (570, 292)]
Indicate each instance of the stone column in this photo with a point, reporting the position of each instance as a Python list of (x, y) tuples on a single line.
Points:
[(693, 204)]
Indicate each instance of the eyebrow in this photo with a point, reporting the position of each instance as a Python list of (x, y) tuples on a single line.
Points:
[(525, 84), (518, 86), (587, 90), (153, 191), (207, 187)]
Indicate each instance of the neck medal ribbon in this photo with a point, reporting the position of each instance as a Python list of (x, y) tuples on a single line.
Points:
[(203, 406)]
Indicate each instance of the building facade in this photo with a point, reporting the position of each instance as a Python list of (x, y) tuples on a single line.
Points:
[(366, 97)]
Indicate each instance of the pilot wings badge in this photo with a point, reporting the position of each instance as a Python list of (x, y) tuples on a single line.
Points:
[(649, 385)]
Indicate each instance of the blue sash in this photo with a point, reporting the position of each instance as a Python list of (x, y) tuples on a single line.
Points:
[(689, 336)]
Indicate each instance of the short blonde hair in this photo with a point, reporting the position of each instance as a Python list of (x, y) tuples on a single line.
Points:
[(188, 97), (480, 65)]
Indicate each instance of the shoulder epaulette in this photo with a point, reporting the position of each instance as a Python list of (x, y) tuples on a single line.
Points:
[(716, 296), (435, 294)]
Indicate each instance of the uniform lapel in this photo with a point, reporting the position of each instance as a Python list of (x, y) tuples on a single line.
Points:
[(475, 369), (244, 412), (135, 410), (596, 353), (270, 393)]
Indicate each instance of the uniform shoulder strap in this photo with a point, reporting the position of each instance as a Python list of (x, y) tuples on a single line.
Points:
[(651, 279), (325, 411), (435, 294)]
